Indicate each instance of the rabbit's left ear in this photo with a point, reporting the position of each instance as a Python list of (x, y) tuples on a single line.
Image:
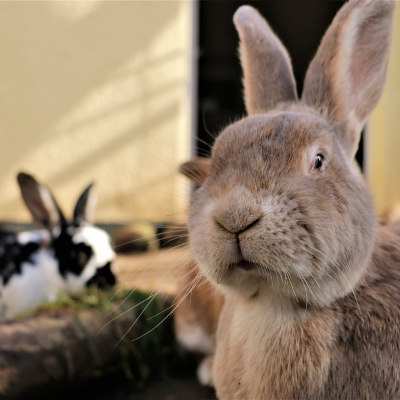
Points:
[(267, 70), (85, 206), (196, 169), (40, 202), (346, 77)]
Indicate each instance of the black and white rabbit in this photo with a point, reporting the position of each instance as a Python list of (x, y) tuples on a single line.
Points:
[(62, 257)]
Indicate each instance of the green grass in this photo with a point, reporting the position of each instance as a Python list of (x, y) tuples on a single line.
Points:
[(94, 299)]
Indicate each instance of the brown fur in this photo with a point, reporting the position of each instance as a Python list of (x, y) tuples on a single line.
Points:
[(196, 316), (199, 303), (311, 283), (196, 170), (345, 79), (349, 350), (271, 55)]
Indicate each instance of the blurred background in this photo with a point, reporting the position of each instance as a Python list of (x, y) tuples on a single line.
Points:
[(100, 91), (121, 93)]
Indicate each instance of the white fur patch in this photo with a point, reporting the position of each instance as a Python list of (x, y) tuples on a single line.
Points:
[(100, 243), (38, 283), (37, 236), (204, 372), (193, 338)]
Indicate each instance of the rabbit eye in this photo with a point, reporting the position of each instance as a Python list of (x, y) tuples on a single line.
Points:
[(319, 161)]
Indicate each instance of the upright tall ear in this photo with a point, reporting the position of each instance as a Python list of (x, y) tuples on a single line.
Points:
[(346, 77), (196, 170), (40, 202), (85, 206), (267, 70)]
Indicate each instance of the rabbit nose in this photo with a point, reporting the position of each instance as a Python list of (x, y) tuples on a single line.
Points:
[(237, 221), (237, 211)]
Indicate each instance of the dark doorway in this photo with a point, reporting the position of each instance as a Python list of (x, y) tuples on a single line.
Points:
[(299, 24)]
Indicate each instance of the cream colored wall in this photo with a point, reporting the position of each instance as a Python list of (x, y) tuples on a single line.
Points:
[(383, 148), (96, 90)]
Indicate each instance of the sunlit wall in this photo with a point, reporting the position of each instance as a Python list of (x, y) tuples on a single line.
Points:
[(96, 90), (383, 144)]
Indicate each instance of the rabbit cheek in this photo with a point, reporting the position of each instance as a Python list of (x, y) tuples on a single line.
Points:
[(209, 247), (215, 250)]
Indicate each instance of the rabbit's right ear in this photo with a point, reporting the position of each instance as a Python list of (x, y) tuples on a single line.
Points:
[(267, 70), (196, 170), (85, 205), (346, 77), (40, 202)]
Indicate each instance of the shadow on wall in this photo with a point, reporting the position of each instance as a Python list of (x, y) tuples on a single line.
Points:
[(54, 55)]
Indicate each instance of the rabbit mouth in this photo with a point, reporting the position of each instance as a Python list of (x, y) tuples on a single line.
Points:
[(254, 268), (251, 266), (245, 265)]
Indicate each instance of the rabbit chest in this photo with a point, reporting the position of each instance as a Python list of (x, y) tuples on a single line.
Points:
[(268, 352)]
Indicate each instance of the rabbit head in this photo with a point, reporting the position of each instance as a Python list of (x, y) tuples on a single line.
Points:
[(281, 204), (83, 252)]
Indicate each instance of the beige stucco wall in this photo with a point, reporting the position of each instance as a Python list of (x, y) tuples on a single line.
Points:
[(96, 90), (383, 144)]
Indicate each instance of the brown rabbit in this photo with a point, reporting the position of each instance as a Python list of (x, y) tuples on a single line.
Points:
[(284, 225)]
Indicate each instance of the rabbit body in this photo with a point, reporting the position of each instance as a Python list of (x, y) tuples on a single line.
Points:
[(283, 224)]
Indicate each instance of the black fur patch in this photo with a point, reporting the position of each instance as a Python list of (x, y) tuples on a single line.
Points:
[(14, 254), (103, 278), (72, 257)]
